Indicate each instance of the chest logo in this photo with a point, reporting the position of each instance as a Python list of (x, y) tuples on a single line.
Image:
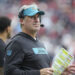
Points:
[(9, 52), (39, 51)]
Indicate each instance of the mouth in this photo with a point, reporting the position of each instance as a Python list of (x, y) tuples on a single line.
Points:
[(36, 24)]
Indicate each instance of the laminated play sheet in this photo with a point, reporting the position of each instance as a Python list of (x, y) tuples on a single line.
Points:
[(61, 61)]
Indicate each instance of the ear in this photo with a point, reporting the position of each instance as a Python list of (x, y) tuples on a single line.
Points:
[(8, 32), (21, 21), (8, 29)]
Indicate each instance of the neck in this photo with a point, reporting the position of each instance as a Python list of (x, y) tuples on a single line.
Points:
[(3, 36), (32, 34)]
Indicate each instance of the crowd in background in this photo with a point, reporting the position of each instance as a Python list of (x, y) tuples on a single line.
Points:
[(59, 22)]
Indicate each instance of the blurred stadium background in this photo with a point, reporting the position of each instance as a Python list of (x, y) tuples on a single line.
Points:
[(59, 22)]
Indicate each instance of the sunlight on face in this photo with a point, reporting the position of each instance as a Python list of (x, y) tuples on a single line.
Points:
[(32, 23)]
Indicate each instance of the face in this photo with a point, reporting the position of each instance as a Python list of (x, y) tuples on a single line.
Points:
[(31, 23), (8, 32)]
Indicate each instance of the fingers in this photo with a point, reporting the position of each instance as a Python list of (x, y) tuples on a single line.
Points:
[(46, 71), (70, 69), (72, 66), (50, 69), (49, 72)]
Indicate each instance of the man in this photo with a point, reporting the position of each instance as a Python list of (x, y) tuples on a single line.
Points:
[(4, 34), (25, 54)]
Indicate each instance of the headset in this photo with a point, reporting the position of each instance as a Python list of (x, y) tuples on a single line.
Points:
[(21, 15)]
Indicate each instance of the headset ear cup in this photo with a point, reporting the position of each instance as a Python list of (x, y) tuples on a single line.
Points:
[(21, 15)]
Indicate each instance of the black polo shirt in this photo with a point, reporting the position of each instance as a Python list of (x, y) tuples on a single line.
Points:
[(25, 56), (2, 51)]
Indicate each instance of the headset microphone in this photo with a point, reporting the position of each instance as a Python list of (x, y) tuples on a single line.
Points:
[(42, 25)]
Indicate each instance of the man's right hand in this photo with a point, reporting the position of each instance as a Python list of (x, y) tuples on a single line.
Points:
[(46, 71)]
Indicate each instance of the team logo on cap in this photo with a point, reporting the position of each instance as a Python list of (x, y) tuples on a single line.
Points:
[(34, 8)]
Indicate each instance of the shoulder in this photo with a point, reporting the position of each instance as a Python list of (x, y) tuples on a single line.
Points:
[(2, 45), (13, 46), (2, 42), (14, 41)]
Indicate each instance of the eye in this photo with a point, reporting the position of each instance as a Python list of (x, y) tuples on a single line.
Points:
[(31, 16), (39, 16)]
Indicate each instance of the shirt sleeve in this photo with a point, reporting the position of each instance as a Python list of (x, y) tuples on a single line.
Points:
[(13, 60)]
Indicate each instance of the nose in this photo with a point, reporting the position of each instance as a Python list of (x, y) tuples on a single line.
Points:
[(36, 19)]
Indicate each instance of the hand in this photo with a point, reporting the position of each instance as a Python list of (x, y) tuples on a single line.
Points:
[(70, 70), (46, 71)]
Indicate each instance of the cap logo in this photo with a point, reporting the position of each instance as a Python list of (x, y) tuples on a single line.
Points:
[(34, 8)]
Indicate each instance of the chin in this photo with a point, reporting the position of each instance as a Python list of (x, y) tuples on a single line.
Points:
[(37, 29)]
